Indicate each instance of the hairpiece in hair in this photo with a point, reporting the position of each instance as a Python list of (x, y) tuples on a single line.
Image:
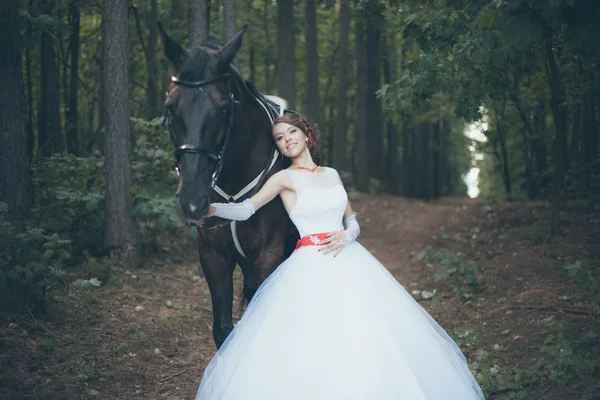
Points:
[(308, 130)]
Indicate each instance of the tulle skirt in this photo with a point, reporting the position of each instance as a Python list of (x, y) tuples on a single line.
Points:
[(325, 328)]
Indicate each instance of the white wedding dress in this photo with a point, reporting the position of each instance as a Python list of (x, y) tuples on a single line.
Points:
[(325, 328)]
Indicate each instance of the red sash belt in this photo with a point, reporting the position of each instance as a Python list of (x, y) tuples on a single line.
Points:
[(311, 240)]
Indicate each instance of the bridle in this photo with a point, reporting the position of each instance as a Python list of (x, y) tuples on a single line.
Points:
[(251, 188), (191, 149)]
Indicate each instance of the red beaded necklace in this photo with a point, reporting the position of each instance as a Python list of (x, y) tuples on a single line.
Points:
[(313, 169)]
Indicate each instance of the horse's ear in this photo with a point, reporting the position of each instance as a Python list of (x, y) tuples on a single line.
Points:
[(228, 52), (170, 49)]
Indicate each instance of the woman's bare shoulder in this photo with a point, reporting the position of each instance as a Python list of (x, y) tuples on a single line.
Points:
[(283, 179)]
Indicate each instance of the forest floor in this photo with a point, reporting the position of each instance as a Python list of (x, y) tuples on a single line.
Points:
[(525, 325)]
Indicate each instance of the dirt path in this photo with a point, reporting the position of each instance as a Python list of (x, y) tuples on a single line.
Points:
[(147, 333)]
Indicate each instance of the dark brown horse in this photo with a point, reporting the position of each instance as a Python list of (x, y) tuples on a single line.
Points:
[(223, 143)]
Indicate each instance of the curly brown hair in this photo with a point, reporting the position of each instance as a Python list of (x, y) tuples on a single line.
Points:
[(311, 130)]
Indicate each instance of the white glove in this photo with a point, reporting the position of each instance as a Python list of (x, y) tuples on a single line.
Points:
[(235, 211), (351, 230)]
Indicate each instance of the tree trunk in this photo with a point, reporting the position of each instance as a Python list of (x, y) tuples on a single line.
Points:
[(526, 147), (538, 144), (392, 173), (444, 159), (374, 111), (152, 75), (120, 236), (49, 125), (361, 172), (340, 151), (311, 92), (560, 133), (408, 170), (423, 166), (436, 156), (252, 65), (286, 50), (99, 136), (229, 25), (503, 156), (16, 188), (589, 140), (328, 105), (576, 150), (72, 117), (198, 22), (268, 47), (30, 132), (179, 12)]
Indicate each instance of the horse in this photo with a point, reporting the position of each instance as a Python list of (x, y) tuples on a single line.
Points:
[(220, 128)]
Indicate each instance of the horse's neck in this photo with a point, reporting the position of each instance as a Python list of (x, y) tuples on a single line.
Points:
[(250, 146)]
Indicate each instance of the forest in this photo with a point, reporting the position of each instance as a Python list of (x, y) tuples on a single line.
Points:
[(466, 133)]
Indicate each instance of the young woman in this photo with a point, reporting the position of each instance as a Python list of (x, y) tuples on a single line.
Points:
[(330, 323)]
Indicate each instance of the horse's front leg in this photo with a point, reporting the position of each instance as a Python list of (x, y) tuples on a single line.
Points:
[(256, 271), (218, 271)]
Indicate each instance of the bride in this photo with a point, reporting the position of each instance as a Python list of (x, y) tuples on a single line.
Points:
[(330, 323)]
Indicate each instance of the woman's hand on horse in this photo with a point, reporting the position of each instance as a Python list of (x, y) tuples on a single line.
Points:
[(332, 243)]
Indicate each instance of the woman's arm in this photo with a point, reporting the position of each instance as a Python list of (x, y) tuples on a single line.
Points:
[(338, 240), (244, 210)]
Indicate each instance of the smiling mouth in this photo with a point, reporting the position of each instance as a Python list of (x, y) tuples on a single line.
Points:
[(290, 146)]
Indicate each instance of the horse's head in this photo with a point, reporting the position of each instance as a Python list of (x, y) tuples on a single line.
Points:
[(200, 109)]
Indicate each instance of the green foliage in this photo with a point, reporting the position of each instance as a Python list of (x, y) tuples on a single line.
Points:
[(537, 233), (87, 284), (70, 191), (465, 277), (154, 208), (152, 157), (30, 259), (495, 54), (561, 361), (69, 195), (587, 273)]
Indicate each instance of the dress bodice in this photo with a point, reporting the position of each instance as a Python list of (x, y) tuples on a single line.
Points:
[(320, 203)]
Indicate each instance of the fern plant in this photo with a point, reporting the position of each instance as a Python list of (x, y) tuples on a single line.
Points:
[(29, 260)]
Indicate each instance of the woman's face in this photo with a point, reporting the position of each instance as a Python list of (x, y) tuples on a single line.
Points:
[(290, 139)]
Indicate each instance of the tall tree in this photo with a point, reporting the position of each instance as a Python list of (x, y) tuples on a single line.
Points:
[(340, 155), (408, 154), (72, 124), (30, 132), (179, 17), (119, 228), (286, 52), (560, 129), (50, 138), (361, 171), (16, 188), (152, 76), (374, 109), (392, 173), (198, 22), (311, 92), (268, 47), (229, 23)]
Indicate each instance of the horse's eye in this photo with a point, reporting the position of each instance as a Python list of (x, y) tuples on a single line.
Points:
[(224, 110)]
